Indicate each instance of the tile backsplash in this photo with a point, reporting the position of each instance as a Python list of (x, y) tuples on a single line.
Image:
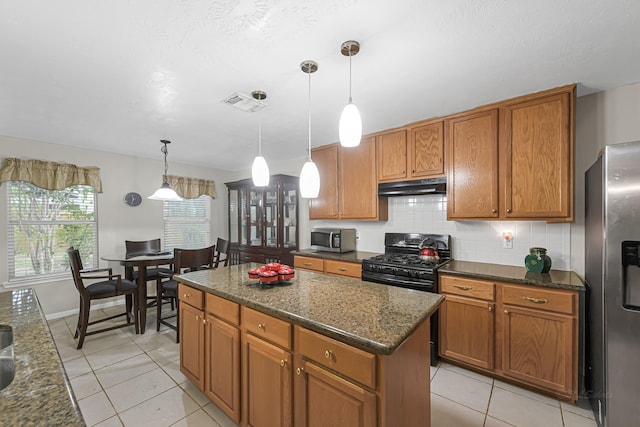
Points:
[(479, 241)]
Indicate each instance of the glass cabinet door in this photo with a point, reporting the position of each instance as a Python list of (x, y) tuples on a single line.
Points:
[(256, 214), (234, 216), (271, 217), (290, 217), (243, 216)]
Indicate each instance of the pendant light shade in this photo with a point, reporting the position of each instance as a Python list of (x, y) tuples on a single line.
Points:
[(309, 176), (260, 170), (350, 128), (165, 192)]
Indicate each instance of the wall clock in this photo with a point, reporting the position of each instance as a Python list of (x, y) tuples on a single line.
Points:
[(133, 199)]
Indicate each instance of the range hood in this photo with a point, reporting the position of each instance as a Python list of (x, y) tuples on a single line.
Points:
[(415, 187)]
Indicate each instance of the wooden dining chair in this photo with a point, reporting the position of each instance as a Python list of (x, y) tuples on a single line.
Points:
[(222, 248), (184, 260), (155, 274), (109, 286)]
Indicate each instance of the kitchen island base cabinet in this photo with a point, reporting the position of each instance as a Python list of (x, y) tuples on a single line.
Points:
[(191, 330), (222, 370)]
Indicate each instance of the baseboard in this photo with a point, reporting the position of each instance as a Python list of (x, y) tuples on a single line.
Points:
[(75, 312)]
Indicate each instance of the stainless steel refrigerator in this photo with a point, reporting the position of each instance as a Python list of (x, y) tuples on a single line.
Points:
[(612, 272)]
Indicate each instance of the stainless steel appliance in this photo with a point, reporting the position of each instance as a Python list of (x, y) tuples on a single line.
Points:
[(612, 273), (333, 239), (402, 265)]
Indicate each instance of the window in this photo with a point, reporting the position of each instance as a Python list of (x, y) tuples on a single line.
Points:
[(187, 223), (43, 224)]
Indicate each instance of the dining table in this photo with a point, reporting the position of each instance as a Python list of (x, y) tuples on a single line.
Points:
[(140, 261)]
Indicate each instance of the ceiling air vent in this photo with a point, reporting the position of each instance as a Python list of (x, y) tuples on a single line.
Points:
[(243, 102)]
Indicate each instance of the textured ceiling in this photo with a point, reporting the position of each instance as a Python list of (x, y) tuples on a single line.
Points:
[(120, 75)]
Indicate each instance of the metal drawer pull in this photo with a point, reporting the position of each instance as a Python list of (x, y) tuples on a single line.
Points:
[(328, 354), (261, 326), (463, 288), (299, 371), (536, 300), (283, 362), (185, 296), (506, 312), (198, 317), (307, 264), (342, 269), (490, 308)]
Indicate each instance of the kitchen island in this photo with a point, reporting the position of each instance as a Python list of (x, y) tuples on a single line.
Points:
[(40, 393), (343, 350)]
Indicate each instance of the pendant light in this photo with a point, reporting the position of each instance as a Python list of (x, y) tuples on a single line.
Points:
[(260, 169), (350, 129), (309, 176), (165, 192)]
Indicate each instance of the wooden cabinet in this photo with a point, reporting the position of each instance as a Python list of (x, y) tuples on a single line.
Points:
[(533, 339), (411, 153), (472, 187), (192, 347), (222, 355), (328, 266), (349, 185), (266, 370), (467, 321), (263, 221), (519, 169), (539, 339), (536, 138)]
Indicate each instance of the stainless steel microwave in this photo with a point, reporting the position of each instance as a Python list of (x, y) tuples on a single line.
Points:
[(333, 239)]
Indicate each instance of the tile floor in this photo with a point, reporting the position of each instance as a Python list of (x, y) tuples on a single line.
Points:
[(121, 378)]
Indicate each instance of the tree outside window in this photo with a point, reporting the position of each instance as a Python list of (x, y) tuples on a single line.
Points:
[(43, 224)]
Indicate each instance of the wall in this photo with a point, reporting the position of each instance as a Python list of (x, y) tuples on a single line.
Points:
[(116, 221)]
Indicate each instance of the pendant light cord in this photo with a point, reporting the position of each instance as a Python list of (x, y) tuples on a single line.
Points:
[(350, 75), (259, 129), (165, 151), (309, 114)]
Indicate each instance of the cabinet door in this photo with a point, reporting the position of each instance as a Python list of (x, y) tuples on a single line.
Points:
[(222, 366), (192, 344), (358, 182), (538, 348), (392, 156), (266, 381), (328, 400), (289, 217), (467, 331), (325, 206), (426, 150), (537, 142), (472, 144)]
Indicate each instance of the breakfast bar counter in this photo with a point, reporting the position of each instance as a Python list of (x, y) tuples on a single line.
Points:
[(40, 393)]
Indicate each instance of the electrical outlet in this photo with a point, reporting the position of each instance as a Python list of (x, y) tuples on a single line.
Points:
[(507, 240)]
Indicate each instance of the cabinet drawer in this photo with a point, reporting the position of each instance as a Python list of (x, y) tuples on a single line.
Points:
[(223, 308), (342, 358), (264, 326), (342, 268), (468, 287), (542, 299), (309, 263), (191, 296)]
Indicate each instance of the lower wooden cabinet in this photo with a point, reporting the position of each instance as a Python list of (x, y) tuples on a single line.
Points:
[(222, 366), (328, 266), (523, 333), (266, 374), (192, 350)]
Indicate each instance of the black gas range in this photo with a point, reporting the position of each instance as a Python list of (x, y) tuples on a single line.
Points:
[(401, 265)]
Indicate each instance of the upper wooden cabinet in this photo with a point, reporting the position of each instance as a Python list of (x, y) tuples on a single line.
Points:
[(536, 139), (513, 161), (411, 153), (348, 183), (472, 187)]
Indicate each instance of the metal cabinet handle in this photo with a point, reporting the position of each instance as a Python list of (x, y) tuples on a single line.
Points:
[(299, 371), (342, 269), (328, 354), (508, 210), (463, 288), (536, 300), (261, 326), (506, 312), (490, 308), (283, 362), (307, 264), (198, 317), (494, 211), (186, 296)]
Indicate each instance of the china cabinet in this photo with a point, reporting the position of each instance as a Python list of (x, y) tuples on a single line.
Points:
[(263, 221)]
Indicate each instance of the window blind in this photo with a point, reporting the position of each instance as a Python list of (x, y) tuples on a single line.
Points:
[(43, 224), (187, 223)]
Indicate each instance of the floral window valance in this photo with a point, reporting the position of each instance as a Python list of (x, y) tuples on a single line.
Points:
[(50, 175), (192, 188)]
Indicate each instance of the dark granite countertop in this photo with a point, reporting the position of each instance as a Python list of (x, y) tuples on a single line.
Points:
[(558, 279), (40, 394), (373, 317), (354, 256)]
